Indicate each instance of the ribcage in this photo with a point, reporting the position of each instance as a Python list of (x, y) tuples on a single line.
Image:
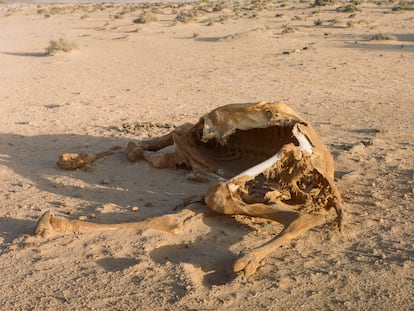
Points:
[(246, 148)]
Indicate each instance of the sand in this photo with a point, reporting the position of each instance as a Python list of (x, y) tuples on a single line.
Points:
[(129, 81)]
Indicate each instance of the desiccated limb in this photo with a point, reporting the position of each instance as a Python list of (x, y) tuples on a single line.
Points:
[(219, 198), (303, 222), (71, 161), (49, 224)]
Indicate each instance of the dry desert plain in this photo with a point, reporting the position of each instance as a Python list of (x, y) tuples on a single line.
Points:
[(84, 77)]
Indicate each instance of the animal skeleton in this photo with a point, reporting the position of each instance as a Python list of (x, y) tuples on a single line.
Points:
[(268, 163)]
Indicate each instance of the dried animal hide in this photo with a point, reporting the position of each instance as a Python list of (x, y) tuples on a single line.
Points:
[(266, 162), (263, 153)]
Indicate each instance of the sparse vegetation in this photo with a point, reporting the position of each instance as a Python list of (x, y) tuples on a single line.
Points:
[(218, 7), (349, 8), (404, 6), (324, 2), (58, 10), (382, 37), (334, 21), (146, 18), (210, 22), (288, 29), (185, 16), (119, 15), (318, 22), (59, 45)]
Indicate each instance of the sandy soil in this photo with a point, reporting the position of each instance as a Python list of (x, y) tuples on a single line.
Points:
[(128, 81)]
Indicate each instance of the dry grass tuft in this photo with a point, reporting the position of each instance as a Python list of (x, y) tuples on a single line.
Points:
[(59, 45), (146, 18), (323, 2), (349, 8), (318, 22), (404, 6), (383, 36), (288, 29), (185, 16)]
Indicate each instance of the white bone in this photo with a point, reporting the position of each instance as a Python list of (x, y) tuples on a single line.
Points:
[(304, 143), (258, 168), (252, 172)]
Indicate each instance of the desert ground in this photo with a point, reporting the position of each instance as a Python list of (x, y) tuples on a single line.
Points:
[(84, 77)]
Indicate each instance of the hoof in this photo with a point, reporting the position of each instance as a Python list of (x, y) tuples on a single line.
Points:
[(248, 264), (43, 227), (134, 153)]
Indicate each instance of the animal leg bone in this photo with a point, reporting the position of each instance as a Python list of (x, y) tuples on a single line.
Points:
[(72, 161), (49, 224), (251, 261)]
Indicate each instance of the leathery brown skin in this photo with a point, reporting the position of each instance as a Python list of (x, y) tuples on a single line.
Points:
[(219, 199)]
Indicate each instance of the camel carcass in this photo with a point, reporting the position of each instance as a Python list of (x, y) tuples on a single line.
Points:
[(265, 160)]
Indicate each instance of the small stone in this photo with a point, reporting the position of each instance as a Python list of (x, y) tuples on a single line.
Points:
[(358, 148), (134, 208), (59, 185), (82, 217), (24, 185), (92, 216), (108, 208), (105, 181)]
